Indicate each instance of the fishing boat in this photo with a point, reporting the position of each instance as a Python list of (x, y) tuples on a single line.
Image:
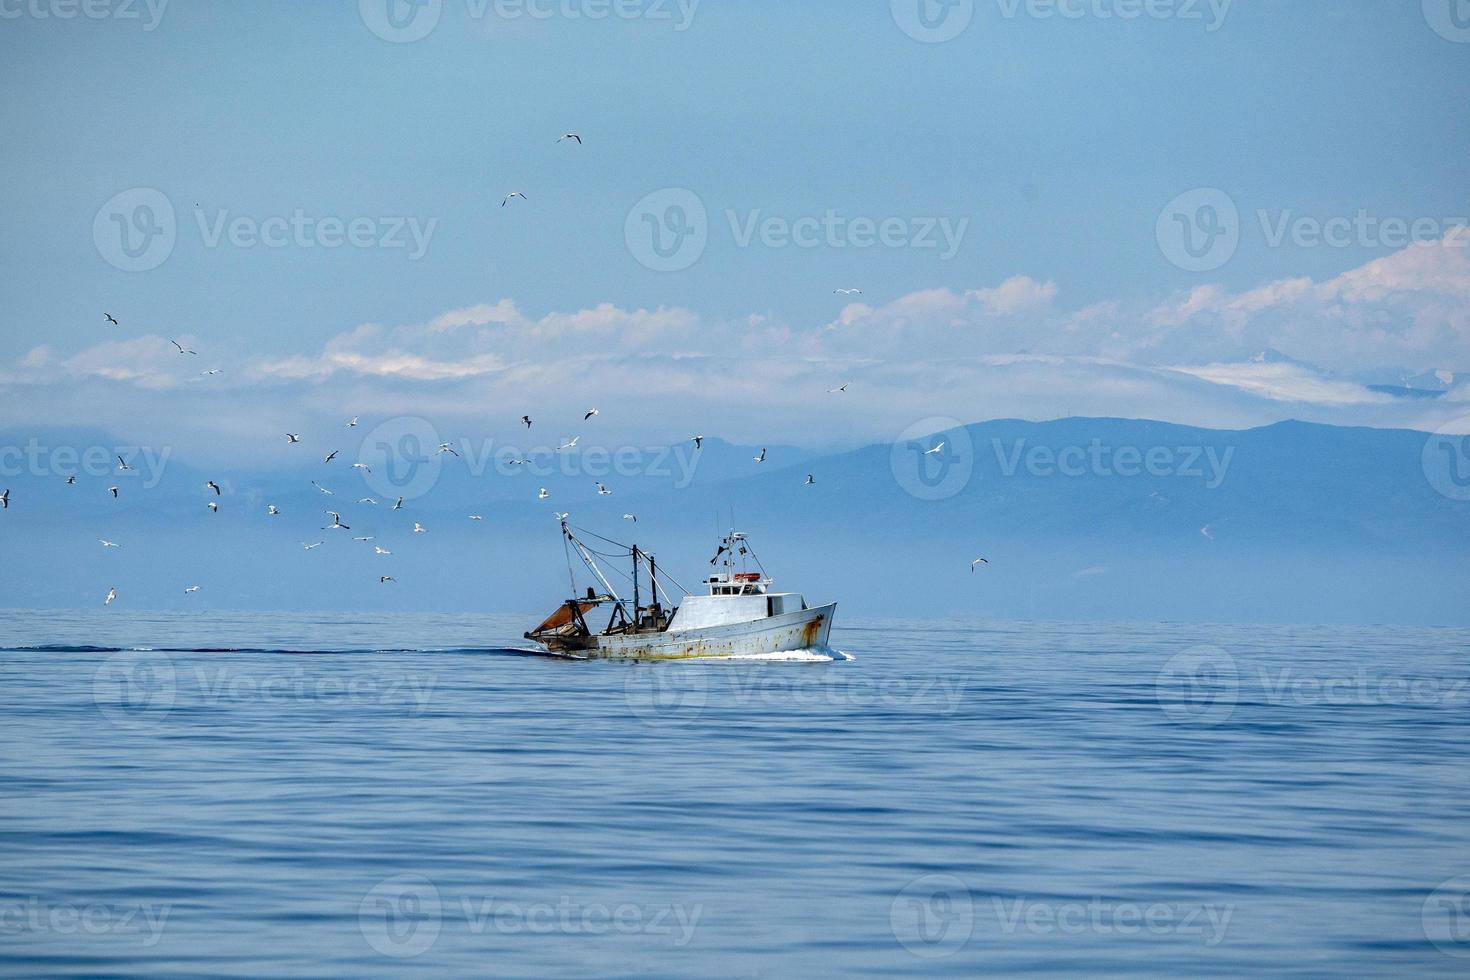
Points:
[(738, 615)]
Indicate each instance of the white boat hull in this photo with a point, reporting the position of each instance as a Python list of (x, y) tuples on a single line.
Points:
[(802, 630)]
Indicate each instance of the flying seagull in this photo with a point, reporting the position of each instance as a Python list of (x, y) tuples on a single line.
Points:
[(931, 452), (398, 504), (418, 528), (111, 490), (444, 447), (631, 517), (698, 441), (543, 493), (192, 588), (590, 412), (562, 515), (1207, 532), (211, 485), (511, 195), (362, 466), (210, 373), (809, 480), (379, 550), (762, 457), (109, 544), (5, 500), (569, 445), (331, 455), (122, 464), (526, 419), (362, 537), (182, 348), (272, 510), (386, 578), (292, 438), (366, 500), (322, 488), (848, 292), (602, 491), (71, 481), (110, 319), (111, 594), (213, 507), (352, 422), (308, 547), (476, 517), (570, 136), (336, 522), (840, 389), (978, 561)]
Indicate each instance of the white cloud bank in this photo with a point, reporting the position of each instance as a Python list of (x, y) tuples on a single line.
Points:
[(1004, 350)]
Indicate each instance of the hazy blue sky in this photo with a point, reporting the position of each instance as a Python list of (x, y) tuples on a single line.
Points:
[(1014, 189)]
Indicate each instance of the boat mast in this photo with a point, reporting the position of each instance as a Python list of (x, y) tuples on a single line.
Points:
[(635, 588)]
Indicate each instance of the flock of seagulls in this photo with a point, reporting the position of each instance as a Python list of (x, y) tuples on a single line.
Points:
[(338, 524)]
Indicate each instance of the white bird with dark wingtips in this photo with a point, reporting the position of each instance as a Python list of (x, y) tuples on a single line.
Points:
[(398, 504), (192, 588), (848, 292), (273, 510), (569, 136), (526, 419), (603, 491), (590, 412), (322, 488), (383, 579), (978, 561), (569, 445), (476, 517), (511, 195), (362, 466), (213, 507), (445, 447), (352, 422), (698, 441), (543, 493), (5, 499), (336, 524), (366, 500), (110, 319), (182, 348), (111, 594), (122, 464), (292, 438), (809, 480), (109, 544), (111, 490), (331, 455), (211, 485), (762, 457), (840, 389), (931, 452)]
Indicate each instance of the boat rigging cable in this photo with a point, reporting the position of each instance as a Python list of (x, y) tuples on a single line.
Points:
[(586, 553)]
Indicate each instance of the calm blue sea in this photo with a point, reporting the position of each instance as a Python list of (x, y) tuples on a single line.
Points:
[(328, 796)]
